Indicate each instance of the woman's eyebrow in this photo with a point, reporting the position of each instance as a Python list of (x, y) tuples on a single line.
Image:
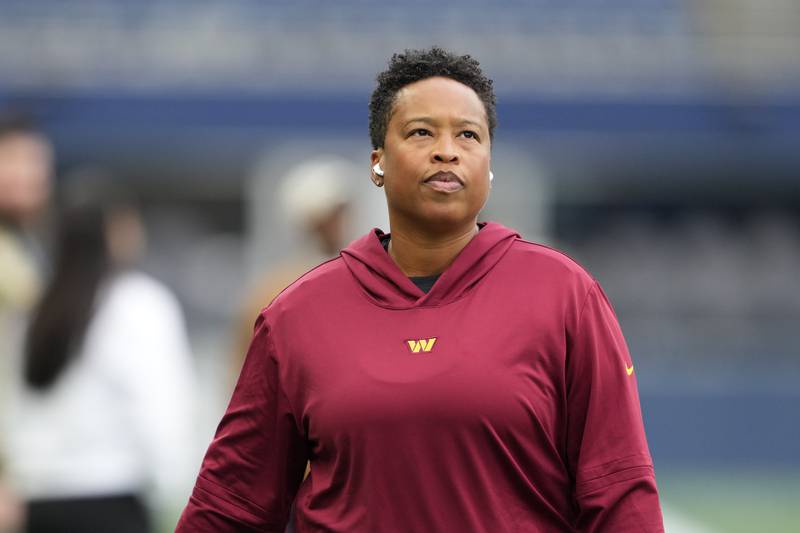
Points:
[(426, 120), (469, 122), (433, 122)]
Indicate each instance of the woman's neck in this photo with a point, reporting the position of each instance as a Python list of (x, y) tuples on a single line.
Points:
[(423, 254)]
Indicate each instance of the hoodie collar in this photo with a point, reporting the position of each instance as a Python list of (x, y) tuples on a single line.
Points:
[(386, 285)]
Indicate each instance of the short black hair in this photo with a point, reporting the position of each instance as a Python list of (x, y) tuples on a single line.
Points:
[(415, 65), (13, 122)]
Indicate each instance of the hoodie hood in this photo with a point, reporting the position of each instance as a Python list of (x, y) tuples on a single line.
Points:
[(384, 283)]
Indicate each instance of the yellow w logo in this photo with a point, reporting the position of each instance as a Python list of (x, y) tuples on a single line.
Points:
[(425, 345)]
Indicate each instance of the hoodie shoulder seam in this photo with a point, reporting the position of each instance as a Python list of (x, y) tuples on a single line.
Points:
[(300, 278), (562, 254)]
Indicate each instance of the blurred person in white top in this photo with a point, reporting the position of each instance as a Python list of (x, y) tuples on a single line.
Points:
[(100, 420)]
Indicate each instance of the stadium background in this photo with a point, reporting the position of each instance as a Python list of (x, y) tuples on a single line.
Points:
[(656, 141)]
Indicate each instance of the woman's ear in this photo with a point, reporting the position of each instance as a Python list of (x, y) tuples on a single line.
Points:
[(376, 157), (377, 170)]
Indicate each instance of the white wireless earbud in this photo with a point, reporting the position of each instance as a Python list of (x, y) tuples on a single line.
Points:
[(491, 176), (376, 168)]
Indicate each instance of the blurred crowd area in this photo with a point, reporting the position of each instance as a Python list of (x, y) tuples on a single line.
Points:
[(710, 284), (613, 47), (655, 141)]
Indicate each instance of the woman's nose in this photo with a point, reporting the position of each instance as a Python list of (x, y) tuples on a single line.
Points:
[(445, 152)]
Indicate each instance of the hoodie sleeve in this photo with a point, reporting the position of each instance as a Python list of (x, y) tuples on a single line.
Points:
[(607, 452), (255, 464)]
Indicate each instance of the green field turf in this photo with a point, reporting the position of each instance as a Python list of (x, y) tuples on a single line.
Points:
[(741, 501), (715, 501)]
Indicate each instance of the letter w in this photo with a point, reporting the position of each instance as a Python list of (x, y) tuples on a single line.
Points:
[(426, 345)]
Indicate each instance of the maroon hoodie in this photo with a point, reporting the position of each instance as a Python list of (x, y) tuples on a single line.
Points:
[(503, 400)]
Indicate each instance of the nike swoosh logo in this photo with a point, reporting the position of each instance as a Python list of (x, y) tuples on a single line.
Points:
[(629, 369)]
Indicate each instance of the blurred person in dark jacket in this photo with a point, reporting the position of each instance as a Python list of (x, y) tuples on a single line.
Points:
[(26, 165), (99, 420)]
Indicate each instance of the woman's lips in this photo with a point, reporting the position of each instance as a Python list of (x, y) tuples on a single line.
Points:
[(445, 182)]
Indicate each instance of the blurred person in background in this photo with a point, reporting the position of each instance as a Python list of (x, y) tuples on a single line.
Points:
[(99, 419), (314, 197), (447, 376), (26, 168), (26, 165)]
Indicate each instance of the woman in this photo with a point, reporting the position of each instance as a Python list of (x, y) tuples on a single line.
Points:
[(101, 414), (448, 376)]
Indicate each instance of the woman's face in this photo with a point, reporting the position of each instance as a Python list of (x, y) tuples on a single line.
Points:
[(436, 156)]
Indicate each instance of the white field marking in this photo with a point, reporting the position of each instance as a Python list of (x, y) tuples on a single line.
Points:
[(675, 522)]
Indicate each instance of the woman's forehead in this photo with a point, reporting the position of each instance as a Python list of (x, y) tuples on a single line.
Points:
[(438, 99)]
